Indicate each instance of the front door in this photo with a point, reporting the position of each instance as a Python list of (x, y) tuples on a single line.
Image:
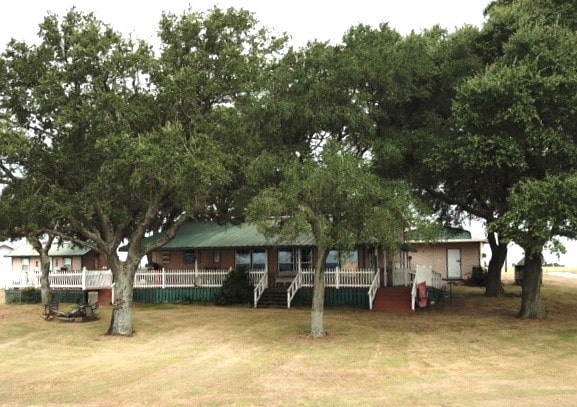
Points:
[(454, 263)]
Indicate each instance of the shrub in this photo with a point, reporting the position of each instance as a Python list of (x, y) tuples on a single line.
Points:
[(236, 289)]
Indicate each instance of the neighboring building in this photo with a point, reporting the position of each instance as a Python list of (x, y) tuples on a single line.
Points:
[(62, 257), (454, 254), (5, 262)]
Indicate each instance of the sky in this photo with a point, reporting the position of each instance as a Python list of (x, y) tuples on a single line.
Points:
[(303, 20), (322, 20)]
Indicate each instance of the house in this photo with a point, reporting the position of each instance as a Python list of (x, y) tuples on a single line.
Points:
[(210, 246), (5, 262), (279, 267), (455, 254)]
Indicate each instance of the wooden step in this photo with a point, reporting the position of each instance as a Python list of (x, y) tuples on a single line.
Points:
[(273, 298), (393, 299)]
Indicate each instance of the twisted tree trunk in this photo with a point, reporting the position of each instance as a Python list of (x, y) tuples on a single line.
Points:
[(318, 303), (531, 291), (494, 285)]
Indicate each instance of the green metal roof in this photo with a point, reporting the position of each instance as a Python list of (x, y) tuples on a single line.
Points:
[(199, 235), (65, 250)]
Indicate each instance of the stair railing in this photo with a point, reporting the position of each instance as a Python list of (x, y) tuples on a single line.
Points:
[(260, 287), (373, 288), (296, 284)]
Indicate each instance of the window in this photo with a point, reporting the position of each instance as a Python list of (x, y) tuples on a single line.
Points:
[(189, 257), (25, 264), (344, 260), (288, 259), (67, 263), (216, 256), (250, 259), (307, 258)]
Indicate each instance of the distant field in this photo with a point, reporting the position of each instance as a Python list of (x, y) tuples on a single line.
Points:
[(561, 269), (471, 353)]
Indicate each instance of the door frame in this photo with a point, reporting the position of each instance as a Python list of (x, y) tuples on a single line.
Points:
[(458, 260)]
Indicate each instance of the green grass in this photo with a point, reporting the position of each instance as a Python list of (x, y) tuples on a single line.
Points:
[(473, 353)]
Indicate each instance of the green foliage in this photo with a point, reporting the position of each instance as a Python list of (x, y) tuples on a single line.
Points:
[(337, 199), (236, 289), (541, 210)]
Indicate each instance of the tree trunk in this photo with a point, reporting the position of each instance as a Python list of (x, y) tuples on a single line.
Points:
[(494, 286), (531, 291), (44, 281), (317, 310), (121, 321)]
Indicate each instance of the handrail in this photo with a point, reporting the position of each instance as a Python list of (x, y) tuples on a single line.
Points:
[(373, 288), (260, 287), (427, 275), (294, 287)]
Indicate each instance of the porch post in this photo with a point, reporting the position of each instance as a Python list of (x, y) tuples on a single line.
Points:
[(163, 278), (83, 278), (385, 268), (299, 257)]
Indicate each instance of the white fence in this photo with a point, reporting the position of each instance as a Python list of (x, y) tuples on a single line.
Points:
[(338, 278), (144, 278), (85, 279)]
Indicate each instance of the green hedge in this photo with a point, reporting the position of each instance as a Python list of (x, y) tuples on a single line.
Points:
[(33, 296)]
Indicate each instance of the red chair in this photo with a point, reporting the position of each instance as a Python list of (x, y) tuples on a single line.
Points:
[(422, 294)]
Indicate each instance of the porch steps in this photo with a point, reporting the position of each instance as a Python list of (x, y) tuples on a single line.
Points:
[(393, 299), (274, 297)]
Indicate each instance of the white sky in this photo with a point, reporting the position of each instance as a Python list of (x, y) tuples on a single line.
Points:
[(303, 20)]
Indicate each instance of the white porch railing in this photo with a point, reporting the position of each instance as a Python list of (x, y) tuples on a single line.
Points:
[(373, 289), (294, 287), (144, 278), (260, 286), (179, 278), (427, 275), (338, 278), (82, 279)]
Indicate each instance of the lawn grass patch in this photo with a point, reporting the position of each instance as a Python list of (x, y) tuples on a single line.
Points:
[(473, 353)]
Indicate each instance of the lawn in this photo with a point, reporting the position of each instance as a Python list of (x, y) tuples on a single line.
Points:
[(472, 353)]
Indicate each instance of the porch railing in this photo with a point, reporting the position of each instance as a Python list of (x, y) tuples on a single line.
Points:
[(429, 276), (373, 289), (179, 278), (261, 284), (338, 278), (294, 287), (81, 279)]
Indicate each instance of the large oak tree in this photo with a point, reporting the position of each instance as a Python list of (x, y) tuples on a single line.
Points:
[(124, 142)]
